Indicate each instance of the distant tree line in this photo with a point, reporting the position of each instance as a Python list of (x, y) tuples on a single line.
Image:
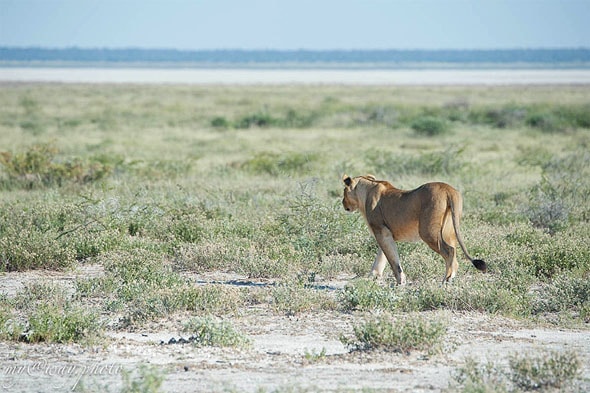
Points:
[(130, 55)]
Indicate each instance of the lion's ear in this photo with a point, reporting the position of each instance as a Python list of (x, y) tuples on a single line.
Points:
[(371, 177), (347, 180)]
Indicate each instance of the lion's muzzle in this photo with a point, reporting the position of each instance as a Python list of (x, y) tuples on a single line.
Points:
[(348, 206), (344, 205)]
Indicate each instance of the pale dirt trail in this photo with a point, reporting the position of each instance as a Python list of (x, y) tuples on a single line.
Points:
[(277, 358)]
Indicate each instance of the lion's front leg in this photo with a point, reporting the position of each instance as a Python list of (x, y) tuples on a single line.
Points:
[(389, 249)]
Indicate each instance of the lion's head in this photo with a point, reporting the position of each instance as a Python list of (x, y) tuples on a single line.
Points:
[(351, 200)]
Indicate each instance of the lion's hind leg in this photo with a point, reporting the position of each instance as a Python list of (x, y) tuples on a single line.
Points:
[(448, 247), (440, 237), (448, 253), (450, 256)]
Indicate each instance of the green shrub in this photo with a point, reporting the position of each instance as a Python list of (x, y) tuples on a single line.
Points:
[(416, 333), (259, 250), (549, 370), (546, 371), (505, 117), (220, 122), (507, 296), (368, 295), (185, 226), (259, 119), (313, 357), (473, 377), (265, 260), (38, 293), (575, 115), (138, 272), (208, 332), (544, 121), (429, 126), (566, 293), (38, 166), (27, 248), (291, 119), (47, 313), (148, 305), (546, 209), (49, 323), (559, 198), (92, 242), (210, 299), (10, 326), (457, 109), (205, 256), (557, 255), (295, 119), (148, 380)]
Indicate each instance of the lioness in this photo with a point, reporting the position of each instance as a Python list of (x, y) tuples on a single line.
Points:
[(431, 212)]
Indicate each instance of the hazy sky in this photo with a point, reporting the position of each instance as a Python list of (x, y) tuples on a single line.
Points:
[(296, 24)]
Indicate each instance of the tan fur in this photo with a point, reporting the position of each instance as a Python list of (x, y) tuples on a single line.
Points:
[(431, 212)]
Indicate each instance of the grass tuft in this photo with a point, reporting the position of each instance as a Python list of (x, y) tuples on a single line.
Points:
[(368, 295), (544, 371), (414, 334), (208, 332), (429, 126)]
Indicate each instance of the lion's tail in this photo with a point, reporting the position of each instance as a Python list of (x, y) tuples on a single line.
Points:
[(456, 205)]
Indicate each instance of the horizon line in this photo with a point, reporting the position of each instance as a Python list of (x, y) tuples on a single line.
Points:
[(76, 47)]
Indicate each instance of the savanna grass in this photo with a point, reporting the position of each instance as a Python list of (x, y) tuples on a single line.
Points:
[(153, 182)]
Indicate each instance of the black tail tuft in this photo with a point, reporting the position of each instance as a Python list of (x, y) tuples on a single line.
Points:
[(480, 265)]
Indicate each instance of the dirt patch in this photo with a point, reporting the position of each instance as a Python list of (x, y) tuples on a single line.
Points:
[(14, 282), (301, 351)]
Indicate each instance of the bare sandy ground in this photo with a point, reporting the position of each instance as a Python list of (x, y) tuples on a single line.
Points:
[(277, 357), (294, 76)]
